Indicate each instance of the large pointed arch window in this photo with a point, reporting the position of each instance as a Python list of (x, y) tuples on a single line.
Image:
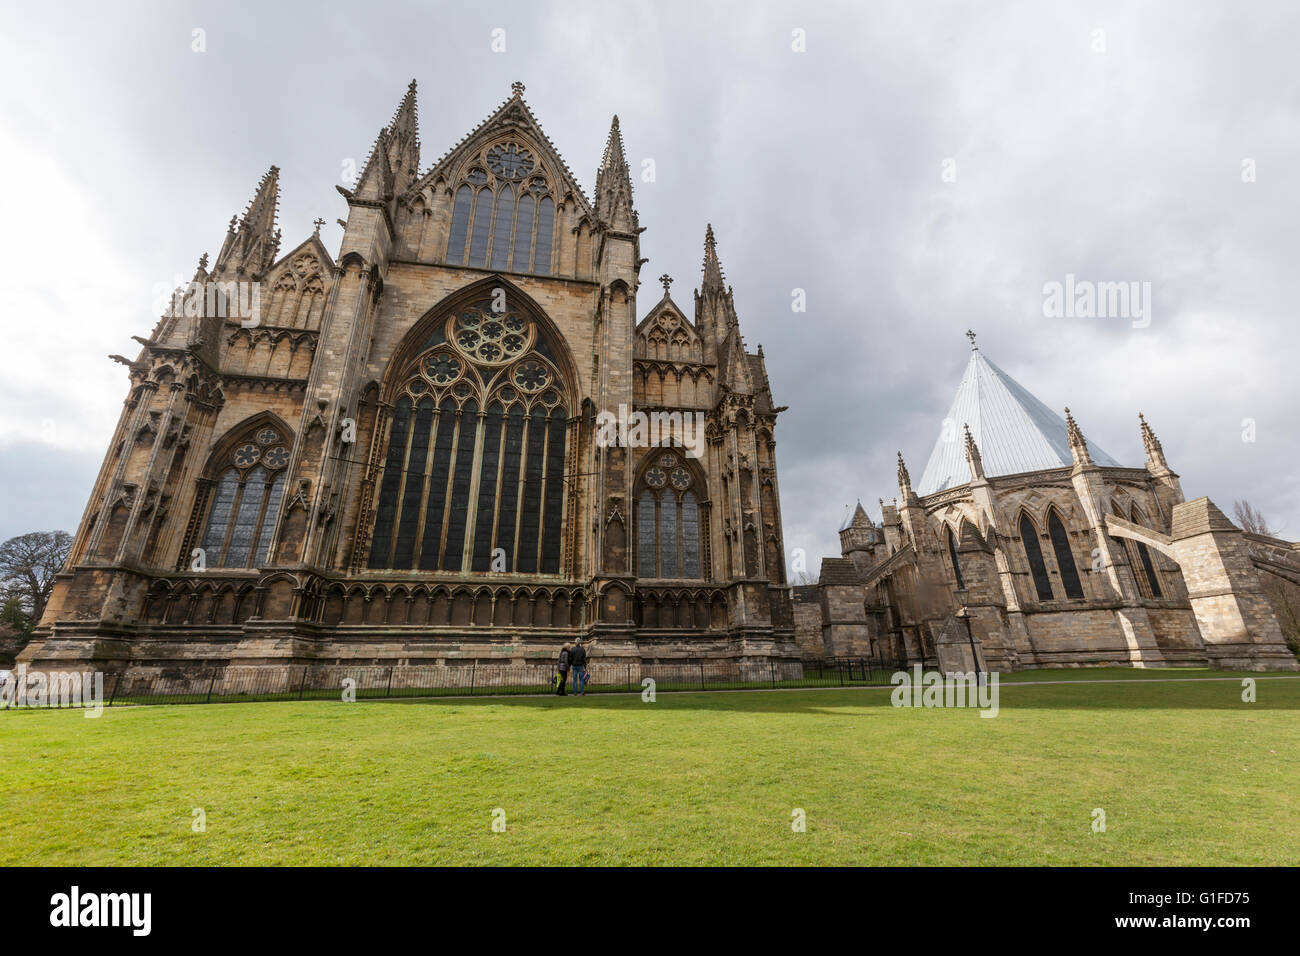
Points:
[(1064, 557), (1148, 581), (1034, 555), (668, 521), (956, 561), (503, 213), (244, 500), (473, 473)]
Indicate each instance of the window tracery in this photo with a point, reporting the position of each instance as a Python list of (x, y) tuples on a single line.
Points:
[(246, 501), (476, 450), (503, 213), (668, 521)]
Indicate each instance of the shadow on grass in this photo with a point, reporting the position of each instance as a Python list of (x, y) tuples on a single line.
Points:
[(1270, 694)]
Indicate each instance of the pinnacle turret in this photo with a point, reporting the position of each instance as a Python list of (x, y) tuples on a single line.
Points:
[(1155, 452), (614, 185), (253, 240), (713, 280), (403, 144), (1078, 444)]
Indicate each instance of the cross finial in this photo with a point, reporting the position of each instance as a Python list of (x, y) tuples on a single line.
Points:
[(667, 280), (318, 222), (517, 88), (971, 335)]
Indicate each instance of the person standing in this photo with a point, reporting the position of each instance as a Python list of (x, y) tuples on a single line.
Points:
[(578, 660), (564, 669)]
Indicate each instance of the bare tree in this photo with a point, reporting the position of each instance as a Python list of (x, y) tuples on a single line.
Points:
[(28, 564), (1250, 518)]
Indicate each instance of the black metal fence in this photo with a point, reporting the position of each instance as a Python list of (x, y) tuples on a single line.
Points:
[(232, 684)]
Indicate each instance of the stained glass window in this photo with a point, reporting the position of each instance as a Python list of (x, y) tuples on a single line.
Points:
[(478, 240), (487, 487), (517, 217), (523, 234), (545, 227), (454, 554), (1148, 566), (956, 562), (690, 536), (459, 225), (1064, 558), (246, 502), (668, 521), (646, 548), (1034, 554), (493, 481)]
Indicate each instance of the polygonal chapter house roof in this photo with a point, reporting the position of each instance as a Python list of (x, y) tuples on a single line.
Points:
[(1014, 431)]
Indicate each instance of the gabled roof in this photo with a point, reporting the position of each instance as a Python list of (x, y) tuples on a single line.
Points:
[(1014, 431), (666, 304), (311, 244), (513, 114)]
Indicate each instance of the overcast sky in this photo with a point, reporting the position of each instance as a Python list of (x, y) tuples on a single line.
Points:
[(1113, 156)]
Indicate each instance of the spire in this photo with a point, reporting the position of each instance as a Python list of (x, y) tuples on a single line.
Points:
[(860, 518), (1014, 430), (1078, 445), (253, 240), (904, 479), (404, 140), (713, 281), (1155, 453), (614, 185), (377, 180), (973, 457)]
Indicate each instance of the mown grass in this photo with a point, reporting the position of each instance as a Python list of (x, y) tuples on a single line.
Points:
[(1186, 773)]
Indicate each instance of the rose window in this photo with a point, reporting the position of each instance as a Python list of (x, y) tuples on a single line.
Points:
[(656, 477), (246, 455), (277, 457), (681, 479), (267, 435), (486, 336), (442, 369), (510, 161), (668, 461), (531, 376)]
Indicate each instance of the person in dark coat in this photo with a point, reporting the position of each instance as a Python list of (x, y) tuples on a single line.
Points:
[(578, 661), (564, 669)]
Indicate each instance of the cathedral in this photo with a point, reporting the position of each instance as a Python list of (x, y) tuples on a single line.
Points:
[(1025, 545), (394, 454)]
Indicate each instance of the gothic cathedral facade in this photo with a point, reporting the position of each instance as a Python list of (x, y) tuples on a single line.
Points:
[(397, 455)]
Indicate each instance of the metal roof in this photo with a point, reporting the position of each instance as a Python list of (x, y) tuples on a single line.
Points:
[(1015, 432)]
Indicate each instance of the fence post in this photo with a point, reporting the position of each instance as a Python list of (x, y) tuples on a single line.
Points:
[(211, 680), (771, 670), (629, 675), (116, 680), (840, 671), (389, 691), (473, 669), (701, 675), (302, 684)]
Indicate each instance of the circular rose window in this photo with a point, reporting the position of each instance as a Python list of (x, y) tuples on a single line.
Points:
[(246, 455)]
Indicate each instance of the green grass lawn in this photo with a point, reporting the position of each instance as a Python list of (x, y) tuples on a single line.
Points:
[(1186, 773)]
